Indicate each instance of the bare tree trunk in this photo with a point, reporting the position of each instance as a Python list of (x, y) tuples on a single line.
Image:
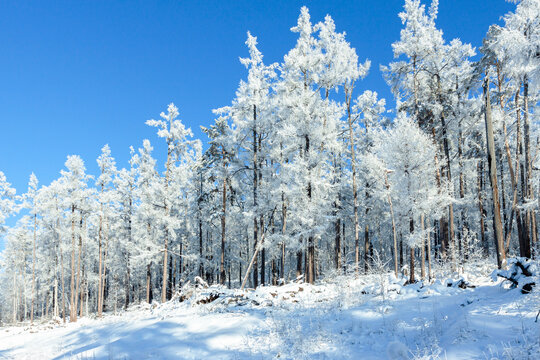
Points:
[(523, 232), (393, 223), (337, 244), (464, 223), (283, 232), (130, 241), (100, 275), (401, 250), (261, 217), (79, 258), (33, 271), (348, 98), (81, 294), (422, 251), (492, 162), (480, 183), (513, 179), (255, 204), (411, 253), (528, 162), (367, 246), (63, 286), (148, 283), (428, 241), (72, 309), (15, 296), (451, 237), (56, 311), (104, 272), (166, 239), (263, 255), (223, 219), (310, 255)]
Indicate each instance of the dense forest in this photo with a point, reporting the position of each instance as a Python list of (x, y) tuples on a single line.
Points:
[(304, 175)]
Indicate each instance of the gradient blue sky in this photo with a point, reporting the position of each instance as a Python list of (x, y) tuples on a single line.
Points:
[(75, 75)]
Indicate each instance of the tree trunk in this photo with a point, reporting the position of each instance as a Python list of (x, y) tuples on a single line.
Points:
[(310, 254), (492, 163), (79, 259), (393, 223), (63, 286), (223, 219), (72, 309), (148, 284), (354, 186), (528, 164), (422, 251), (255, 193), (33, 271), (337, 244), (480, 184), (523, 231), (411, 253), (165, 283), (428, 241)]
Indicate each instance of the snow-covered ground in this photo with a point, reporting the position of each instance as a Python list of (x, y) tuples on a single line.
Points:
[(346, 318)]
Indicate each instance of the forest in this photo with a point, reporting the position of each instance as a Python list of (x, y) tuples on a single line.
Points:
[(304, 176)]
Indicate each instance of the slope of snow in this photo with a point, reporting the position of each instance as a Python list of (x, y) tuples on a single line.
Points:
[(343, 319)]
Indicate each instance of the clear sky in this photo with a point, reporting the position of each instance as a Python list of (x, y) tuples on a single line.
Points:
[(75, 75)]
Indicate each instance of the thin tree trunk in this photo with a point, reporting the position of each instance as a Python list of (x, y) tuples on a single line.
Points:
[(528, 162), (411, 253), (480, 183), (492, 162), (130, 241), (394, 235), (72, 310), (79, 259), (223, 219), (428, 241), (63, 286), (255, 204), (354, 186), (520, 173), (148, 283), (104, 272), (422, 251), (33, 271), (165, 283)]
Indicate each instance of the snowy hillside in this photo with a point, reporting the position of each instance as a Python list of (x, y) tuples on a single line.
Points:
[(344, 319)]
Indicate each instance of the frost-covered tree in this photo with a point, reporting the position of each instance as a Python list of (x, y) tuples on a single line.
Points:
[(251, 116), (308, 132), (7, 204), (429, 84), (407, 153), (30, 204), (75, 201), (148, 212), (179, 148), (105, 198)]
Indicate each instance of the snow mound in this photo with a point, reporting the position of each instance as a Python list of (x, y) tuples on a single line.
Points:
[(521, 274)]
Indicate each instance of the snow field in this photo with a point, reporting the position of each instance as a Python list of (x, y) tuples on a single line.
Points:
[(346, 318)]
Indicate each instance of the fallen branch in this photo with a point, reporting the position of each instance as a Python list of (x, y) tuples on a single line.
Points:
[(257, 248)]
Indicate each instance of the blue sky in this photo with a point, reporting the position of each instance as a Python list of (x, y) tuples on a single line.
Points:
[(76, 75)]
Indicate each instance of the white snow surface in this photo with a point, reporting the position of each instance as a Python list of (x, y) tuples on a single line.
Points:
[(345, 318)]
